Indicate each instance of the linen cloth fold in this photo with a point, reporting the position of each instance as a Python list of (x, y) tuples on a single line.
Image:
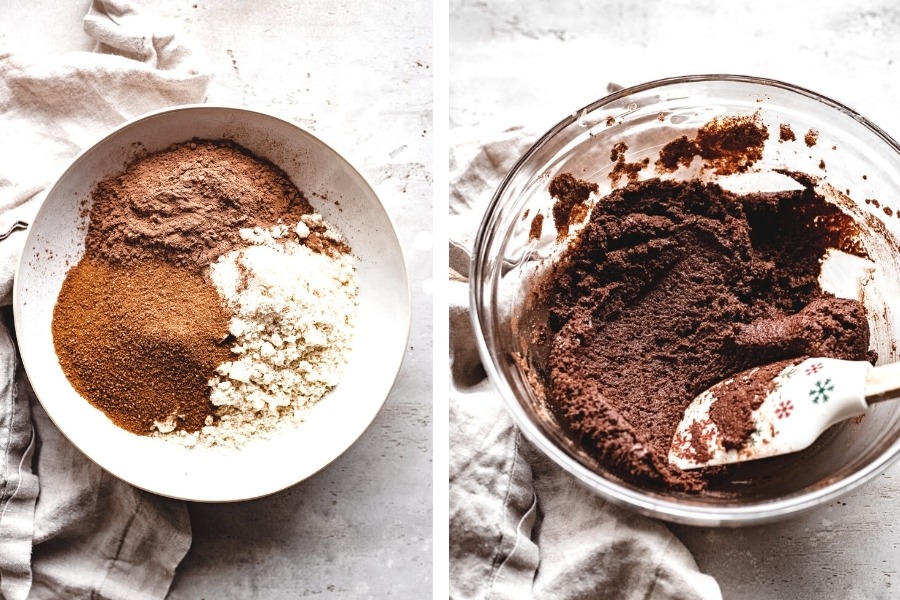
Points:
[(68, 529), (520, 527)]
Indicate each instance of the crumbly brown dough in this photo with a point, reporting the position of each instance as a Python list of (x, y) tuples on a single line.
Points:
[(571, 204), (727, 145), (733, 411), (785, 133), (811, 138), (621, 169), (672, 287)]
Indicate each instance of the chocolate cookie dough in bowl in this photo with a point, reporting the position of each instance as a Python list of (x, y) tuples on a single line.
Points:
[(211, 304), (671, 235)]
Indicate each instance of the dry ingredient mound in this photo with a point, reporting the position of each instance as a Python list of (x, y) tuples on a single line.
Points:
[(138, 341), (293, 313), (185, 205), (673, 286), (142, 332)]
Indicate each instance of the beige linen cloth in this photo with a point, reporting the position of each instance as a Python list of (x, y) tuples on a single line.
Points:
[(520, 527), (68, 529)]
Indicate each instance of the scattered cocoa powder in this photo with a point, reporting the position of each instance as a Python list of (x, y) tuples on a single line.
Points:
[(727, 145), (629, 171), (680, 151), (811, 137), (537, 225), (785, 133), (671, 287), (571, 203)]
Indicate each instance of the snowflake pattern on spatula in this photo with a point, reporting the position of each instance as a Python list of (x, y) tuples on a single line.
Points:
[(821, 391)]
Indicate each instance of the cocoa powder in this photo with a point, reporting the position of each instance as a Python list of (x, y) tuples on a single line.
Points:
[(138, 327), (186, 204)]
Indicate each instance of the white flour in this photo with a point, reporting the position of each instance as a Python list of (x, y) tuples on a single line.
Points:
[(293, 313)]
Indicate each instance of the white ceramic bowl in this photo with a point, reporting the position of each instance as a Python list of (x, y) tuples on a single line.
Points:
[(56, 241)]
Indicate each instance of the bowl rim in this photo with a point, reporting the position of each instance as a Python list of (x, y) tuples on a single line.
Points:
[(390, 381), (643, 502)]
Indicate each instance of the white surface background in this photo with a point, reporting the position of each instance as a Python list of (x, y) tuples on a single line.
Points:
[(529, 63), (358, 75)]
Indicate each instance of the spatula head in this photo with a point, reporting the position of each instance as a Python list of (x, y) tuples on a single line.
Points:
[(799, 404)]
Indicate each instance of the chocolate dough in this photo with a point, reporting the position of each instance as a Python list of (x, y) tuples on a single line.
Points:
[(674, 286)]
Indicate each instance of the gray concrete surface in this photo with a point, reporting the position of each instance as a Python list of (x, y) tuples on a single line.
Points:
[(530, 63), (358, 74)]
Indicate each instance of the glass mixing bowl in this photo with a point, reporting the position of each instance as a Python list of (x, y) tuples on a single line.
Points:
[(858, 168)]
